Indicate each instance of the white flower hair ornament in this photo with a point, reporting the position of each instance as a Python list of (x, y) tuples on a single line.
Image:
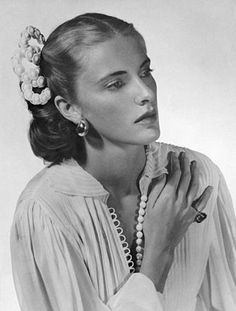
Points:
[(25, 64)]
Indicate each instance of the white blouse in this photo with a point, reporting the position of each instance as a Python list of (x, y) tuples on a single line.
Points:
[(69, 254)]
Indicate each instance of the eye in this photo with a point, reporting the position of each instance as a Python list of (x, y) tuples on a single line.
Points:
[(115, 85), (146, 73)]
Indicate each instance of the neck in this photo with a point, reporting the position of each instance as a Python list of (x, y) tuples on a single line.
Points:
[(116, 167)]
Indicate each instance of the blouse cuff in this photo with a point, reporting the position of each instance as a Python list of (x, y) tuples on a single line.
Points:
[(138, 293)]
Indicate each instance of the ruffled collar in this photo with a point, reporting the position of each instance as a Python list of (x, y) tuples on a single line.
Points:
[(71, 179)]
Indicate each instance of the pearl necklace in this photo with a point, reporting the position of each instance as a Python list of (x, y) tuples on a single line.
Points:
[(139, 235), (139, 232)]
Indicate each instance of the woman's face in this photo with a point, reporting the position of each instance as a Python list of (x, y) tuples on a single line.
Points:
[(117, 93)]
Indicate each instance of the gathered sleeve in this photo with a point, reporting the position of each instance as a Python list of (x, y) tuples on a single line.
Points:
[(50, 273), (218, 290)]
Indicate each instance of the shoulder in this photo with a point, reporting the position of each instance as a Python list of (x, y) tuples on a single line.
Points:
[(41, 205), (40, 195), (39, 187), (36, 196), (60, 191), (209, 172)]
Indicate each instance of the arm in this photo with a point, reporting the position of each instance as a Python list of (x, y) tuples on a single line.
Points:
[(169, 215), (50, 274), (218, 290)]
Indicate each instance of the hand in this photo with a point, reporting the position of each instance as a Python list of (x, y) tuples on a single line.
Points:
[(169, 216)]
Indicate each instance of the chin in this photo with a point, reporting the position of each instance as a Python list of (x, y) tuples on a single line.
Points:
[(154, 138), (149, 136), (153, 133), (148, 132)]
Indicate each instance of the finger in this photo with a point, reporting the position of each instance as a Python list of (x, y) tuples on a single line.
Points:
[(168, 167), (200, 203), (156, 189), (194, 182), (174, 174), (185, 176)]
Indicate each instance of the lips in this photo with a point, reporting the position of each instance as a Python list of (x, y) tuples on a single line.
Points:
[(148, 114)]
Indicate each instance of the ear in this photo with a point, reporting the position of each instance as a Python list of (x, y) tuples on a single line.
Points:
[(70, 112)]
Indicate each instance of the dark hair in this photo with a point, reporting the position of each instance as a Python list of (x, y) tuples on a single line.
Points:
[(52, 136)]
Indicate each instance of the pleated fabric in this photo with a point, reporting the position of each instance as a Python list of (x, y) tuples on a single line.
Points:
[(68, 253)]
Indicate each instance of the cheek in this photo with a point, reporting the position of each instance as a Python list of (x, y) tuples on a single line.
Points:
[(103, 111)]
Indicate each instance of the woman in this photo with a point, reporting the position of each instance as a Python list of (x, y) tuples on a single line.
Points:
[(115, 221)]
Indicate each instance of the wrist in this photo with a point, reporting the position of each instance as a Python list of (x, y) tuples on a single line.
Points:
[(156, 267)]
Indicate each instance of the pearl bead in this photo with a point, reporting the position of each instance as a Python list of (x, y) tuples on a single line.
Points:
[(33, 73), (35, 96), (35, 59), (141, 211), (19, 69), (139, 227), (28, 95), (139, 256), (138, 249), (30, 30), (43, 98), (26, 87), (140, 219), (144, 198), (40, 81), (34, 83), (142, 204), (47, 92), (36, 99), (29, 55), (139, 241), (25, 77), (139, 262), (139, 234)]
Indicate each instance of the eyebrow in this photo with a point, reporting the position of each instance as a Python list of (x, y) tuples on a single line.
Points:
[(121, 72)]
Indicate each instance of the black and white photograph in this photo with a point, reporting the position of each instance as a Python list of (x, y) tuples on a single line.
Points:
[(118, 155)]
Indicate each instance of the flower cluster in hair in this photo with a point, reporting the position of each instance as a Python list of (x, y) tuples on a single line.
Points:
[(26, 65)]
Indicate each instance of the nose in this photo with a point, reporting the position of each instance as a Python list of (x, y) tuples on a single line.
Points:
[(144, 94)]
